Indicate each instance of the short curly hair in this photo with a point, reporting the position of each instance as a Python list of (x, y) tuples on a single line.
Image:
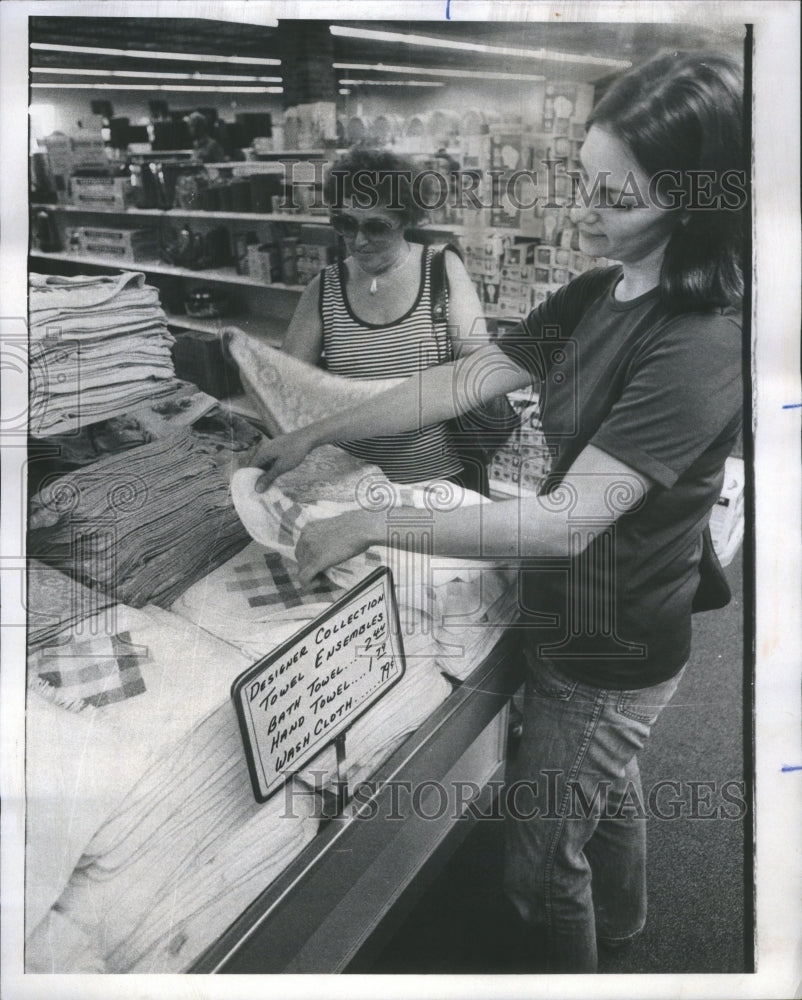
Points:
[(373, 178)]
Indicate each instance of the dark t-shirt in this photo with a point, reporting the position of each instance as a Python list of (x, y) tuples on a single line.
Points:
[(661, 392)]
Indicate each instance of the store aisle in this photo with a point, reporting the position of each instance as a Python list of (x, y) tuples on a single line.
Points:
[(698, 886)]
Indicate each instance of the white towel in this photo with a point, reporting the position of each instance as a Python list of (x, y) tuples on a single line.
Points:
[(185, 853)]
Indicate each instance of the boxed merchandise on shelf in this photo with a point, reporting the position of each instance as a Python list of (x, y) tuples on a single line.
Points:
[(310, 260), (524, 461), (115, 243), (264, 262), (101, 192)]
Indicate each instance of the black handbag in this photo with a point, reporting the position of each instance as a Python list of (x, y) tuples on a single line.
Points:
[(478, 434), (713, 591)]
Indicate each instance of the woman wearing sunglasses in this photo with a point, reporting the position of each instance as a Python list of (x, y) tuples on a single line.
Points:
[(370, 314), (639, 370)]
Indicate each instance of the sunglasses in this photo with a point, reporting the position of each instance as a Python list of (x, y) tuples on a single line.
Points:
[(373, 229)]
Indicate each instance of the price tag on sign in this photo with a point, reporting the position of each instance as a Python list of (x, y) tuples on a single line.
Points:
[(307, 692)]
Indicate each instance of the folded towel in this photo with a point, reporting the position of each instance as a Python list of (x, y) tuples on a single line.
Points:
[(187, 852), (142, 525), (71, 786)]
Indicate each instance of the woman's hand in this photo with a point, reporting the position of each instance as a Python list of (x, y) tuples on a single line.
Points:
[(279, 455), (333, 540)]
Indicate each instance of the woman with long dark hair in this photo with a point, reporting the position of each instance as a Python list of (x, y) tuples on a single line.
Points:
[(639, 372)]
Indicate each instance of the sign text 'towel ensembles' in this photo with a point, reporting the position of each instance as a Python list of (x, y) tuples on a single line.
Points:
[(309, 691)]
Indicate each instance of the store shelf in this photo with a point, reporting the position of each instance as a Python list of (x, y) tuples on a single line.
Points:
[(191, 213), (267, 330), (479, 227), (224, 275), (273, 155)]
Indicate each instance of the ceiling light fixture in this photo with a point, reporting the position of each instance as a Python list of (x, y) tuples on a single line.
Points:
[(427, 41), (161, 86), (451, 73), (92, 50), (156, 74), (391, 83)]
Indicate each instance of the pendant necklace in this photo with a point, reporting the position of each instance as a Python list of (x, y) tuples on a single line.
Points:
[(373, 288)]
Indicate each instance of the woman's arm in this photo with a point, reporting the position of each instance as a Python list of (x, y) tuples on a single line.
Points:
[(304, 336), (594, 493), (434, 395), (467, 328)]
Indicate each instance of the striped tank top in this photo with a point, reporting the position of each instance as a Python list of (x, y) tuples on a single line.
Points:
[(356, 349)]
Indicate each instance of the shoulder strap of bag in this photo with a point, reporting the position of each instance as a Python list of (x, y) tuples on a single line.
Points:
[(439, 284), (438, 294)]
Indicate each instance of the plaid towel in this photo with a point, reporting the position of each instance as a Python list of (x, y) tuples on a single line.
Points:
[(255, 600), (98, 671), (257, 584)]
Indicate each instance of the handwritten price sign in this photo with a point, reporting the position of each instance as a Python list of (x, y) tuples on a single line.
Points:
[(309, 690)]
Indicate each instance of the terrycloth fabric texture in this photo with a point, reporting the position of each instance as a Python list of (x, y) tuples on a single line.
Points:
[(98, 670), (470, 615), (58, 603), (289, 394), (248, 599), (80, 763), (143, 525), (186, 672), (276, 521), (72, 784), (187, 851), (58, 944), (446, 607), (99, 346), (86, 291)]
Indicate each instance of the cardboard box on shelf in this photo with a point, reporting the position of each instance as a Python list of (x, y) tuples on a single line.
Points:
[(117, 244), (310, 259), (101, 192), (514, 308), (88, 151), (264, 262)]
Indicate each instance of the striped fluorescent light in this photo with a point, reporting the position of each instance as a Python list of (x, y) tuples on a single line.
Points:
[(391, 83), (199, 89), (92, 50), (157, 75), (427, 41), (450, 73)]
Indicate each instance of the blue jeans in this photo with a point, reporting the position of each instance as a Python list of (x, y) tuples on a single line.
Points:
[(576, 818)]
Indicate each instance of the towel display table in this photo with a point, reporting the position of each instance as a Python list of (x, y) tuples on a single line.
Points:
[(339, 900)]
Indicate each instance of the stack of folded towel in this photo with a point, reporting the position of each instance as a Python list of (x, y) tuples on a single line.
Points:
[(142, 525), (98, 347)]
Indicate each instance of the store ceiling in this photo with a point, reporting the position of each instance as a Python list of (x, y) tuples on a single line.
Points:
[(633, 42)]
